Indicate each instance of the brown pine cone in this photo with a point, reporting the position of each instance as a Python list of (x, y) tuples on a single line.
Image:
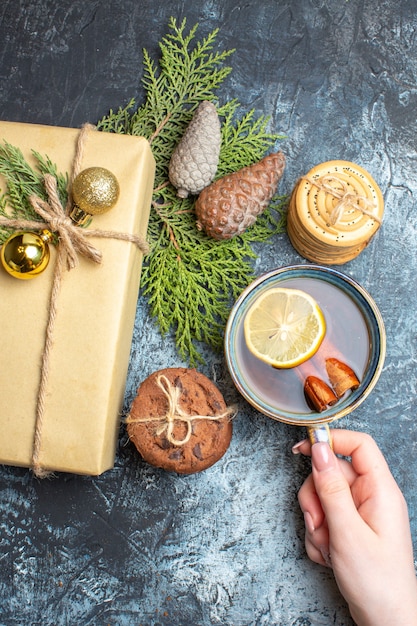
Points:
[(232, 203)]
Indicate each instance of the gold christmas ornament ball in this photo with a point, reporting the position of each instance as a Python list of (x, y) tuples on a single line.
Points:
[(95, 190), (25, 254)]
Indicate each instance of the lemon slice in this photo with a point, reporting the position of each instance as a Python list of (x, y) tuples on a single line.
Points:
[(284, 327)]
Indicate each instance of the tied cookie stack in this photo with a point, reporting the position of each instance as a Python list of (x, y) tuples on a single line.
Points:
[(179, 421), (334, 212)]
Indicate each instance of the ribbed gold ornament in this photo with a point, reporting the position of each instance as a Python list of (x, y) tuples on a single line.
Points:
[(25, 254), (94, 191)]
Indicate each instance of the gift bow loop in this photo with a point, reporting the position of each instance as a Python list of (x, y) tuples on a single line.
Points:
[(71, 236)]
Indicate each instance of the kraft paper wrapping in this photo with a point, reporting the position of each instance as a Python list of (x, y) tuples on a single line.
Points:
[(94, 326)]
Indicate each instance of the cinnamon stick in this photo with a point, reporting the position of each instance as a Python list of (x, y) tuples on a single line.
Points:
[(341, 376), (318, 393)]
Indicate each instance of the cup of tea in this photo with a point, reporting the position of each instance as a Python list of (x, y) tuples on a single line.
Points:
[(354, 341)]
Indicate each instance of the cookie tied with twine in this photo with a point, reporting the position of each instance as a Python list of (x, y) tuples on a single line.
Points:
[(179, 421), (334, 212)]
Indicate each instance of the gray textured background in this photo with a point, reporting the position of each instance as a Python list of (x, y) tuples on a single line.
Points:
[(140, 546)]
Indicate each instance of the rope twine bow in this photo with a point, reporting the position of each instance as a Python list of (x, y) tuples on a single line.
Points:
[(176, 413), (70, 236), (345, 198), (72, 242)]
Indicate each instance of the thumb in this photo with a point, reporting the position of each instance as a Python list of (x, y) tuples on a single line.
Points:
[(331, 486)]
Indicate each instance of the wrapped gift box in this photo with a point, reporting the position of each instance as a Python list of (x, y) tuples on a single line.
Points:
[(96, 311)]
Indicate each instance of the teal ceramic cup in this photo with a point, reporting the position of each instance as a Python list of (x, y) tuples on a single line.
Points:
[(351, 314)]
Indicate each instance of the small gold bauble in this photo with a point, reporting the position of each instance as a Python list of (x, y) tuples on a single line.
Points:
[(94, 191), (25, 254)]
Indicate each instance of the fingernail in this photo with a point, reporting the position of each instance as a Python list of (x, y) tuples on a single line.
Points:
[(322, 456), (296, 448), (308, 521), (326, 555)]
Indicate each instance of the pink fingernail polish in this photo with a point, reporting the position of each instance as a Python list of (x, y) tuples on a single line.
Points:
[(296, 448), (326, 556), (322, 456), (308, 521)]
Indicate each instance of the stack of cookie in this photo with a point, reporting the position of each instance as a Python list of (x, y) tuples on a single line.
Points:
[(334, 212)]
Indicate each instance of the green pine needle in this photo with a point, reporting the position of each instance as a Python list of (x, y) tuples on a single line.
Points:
[(22, 181), (190, 280)]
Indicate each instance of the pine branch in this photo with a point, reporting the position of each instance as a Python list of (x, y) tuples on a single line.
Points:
[(22, 181), (243, 141), (189, 279)]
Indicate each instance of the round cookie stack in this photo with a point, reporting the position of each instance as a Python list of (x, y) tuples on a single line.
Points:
[(179, 421), (334, 212)]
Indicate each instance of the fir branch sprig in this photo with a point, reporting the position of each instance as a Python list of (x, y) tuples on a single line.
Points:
[(244, 141), (189, 279), (22, 181)]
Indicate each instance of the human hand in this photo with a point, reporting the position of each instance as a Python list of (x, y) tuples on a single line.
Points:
[(357, 523)]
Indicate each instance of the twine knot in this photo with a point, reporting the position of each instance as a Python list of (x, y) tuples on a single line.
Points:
[(176, 413), (71, 236), (346, 198)]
